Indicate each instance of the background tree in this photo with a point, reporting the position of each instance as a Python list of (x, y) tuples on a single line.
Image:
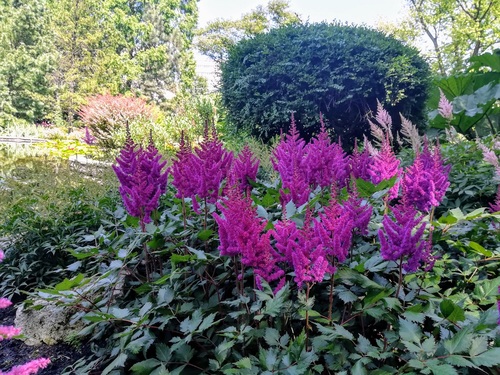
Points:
[(218, 36), (456, 30), (26, 57), (340, 71)]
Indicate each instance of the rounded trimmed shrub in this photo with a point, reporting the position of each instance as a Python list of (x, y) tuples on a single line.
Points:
[(334, 69)]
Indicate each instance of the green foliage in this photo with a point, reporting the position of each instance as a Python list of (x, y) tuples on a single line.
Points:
[(45, 211), (475, 95), (456, 29), (219, 36), (337, 70), (26, 59)]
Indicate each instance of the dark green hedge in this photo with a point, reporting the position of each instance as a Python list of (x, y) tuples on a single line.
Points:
[(337, 70)]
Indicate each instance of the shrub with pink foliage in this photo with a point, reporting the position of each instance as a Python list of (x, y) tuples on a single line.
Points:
[(105, 114)]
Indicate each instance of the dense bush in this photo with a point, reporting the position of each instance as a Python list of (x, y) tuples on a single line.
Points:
[(337, 70), (106, 115)]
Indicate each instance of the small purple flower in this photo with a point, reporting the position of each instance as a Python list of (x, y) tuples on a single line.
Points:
[(88, 138)]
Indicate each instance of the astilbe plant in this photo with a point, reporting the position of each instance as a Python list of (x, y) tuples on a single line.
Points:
[(241, 234), (385, 166), (425, 182), (143, 179), (8, 332), (244, 169), (289, 158), (326, 162), (210, 166), (360, 163)]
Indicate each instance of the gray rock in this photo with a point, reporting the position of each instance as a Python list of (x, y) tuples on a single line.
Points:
[(48, 325)]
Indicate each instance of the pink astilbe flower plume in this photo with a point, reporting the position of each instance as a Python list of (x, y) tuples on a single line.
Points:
[(360, 163), (210, 165), (29, 368), (385, 166), (495, 206), (244, 168), (289, 158), (401, 237), (445, 108), (142, 179), (4, 303), (88, 138), (241, 234), (326, 162), (182, 170), (302, 249), (360, 212), (335, 232)]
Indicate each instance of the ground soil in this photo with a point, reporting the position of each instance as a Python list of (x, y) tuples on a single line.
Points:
[(15, 352)]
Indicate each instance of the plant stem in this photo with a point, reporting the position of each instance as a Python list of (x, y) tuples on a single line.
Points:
[(330, 299), (308, 289), (400, 281)]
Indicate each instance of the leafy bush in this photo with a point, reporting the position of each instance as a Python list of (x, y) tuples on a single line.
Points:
[(179, 295), (337, 70), (108, 114), (45, 210)]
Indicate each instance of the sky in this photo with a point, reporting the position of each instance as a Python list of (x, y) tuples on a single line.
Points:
[(369, 12)]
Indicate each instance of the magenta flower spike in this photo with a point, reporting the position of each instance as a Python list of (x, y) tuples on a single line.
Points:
[(244, 169), (402, 237), (360, 163), (335, 231), (425, 182), (289, 160), (326, 162), (302, 249), (360, 212), (182, 171), (142, 179), (210, 166), (241, 234), (495, 206), (88, 138), (385, 166)]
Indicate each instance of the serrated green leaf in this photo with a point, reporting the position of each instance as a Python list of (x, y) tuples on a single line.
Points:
[(488, 358), (117, 362), (145, 367), (459, 361), (244, 363), (479, 249), (409, 331), (163, 352), (207, 322), (460, 342), (205, 234), (451, 311), (189, 325), (441, 369)]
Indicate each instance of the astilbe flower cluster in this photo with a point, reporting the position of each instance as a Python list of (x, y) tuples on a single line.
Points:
[(425, 182), (445, 108), (360, 163), (241, 233), (142, 177), (244, 169), (210, 165), (302, 249), (385, 166), (88, 137), (490, 157), (182, 170), (326, 162), (335, 232), (360, 212), (401, 237), (289, 159), (7, 332)]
